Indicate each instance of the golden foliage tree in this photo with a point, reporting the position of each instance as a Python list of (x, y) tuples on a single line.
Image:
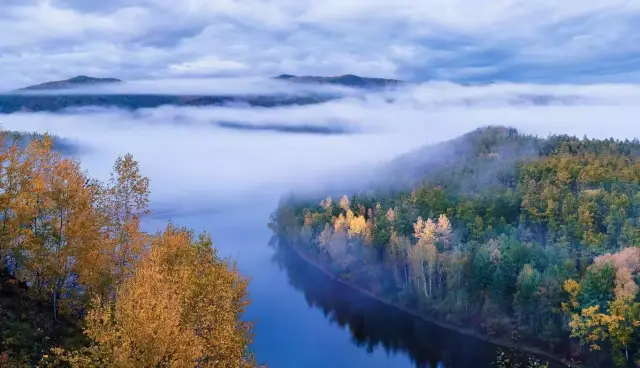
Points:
[(49, 219), (619, 323), (126, 199), (182, 308)]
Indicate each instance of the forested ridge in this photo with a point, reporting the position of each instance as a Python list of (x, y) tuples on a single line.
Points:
[(518, 236), (82, 286), (19, 101)]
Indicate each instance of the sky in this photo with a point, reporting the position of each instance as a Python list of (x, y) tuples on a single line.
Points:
[(464, 41)]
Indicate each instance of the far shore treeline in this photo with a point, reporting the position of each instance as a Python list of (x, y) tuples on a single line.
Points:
[(526, 239), (82, 286)]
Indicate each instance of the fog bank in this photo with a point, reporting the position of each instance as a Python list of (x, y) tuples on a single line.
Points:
[(195, 162)]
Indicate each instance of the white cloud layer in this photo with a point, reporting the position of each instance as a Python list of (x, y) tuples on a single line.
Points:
[(194, 162), (544, 40)]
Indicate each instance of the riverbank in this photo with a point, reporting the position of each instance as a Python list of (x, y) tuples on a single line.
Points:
[(462, 330)]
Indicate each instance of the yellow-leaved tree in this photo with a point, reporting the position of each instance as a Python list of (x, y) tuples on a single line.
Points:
[(616, 322), (183, 307)]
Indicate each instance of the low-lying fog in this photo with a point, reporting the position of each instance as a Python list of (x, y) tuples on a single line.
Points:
[(210, 157)]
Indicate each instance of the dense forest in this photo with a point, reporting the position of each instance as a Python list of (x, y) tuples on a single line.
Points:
[(81, 285), (518, 236)]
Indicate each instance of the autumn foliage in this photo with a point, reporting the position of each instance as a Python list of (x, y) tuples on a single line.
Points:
[(75, 244)]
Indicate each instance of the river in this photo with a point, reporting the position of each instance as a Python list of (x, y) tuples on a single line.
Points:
[(304, 319)]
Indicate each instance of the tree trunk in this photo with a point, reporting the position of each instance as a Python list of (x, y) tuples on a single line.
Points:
[(424, 279), (55, 302), (4, 254), (55, 282), (440, 282)]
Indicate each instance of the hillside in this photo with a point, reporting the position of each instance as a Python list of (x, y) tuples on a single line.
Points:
[(27, 327), (503, 232)]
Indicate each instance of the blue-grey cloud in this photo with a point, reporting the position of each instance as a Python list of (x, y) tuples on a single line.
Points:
[(515, 40)]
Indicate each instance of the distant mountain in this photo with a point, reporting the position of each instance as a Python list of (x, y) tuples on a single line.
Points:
[(19, 101), (37, 98), (348, 80), (81, 80)]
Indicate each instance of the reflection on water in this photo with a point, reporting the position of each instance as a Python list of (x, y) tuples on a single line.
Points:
[(292, 333), (374, 324)]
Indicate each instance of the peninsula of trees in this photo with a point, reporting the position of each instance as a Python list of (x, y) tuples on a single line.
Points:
[(82, 286), (505, 232)]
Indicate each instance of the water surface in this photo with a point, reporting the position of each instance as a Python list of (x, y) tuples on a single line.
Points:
[(305, 319)]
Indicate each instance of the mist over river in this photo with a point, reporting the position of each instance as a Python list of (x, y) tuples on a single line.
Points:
[(226, 180)]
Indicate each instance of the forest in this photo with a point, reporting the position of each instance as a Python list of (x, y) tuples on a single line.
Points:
[(520, 237), (81, 285)]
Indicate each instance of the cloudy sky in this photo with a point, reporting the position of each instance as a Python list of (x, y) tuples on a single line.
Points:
[(542, 41)]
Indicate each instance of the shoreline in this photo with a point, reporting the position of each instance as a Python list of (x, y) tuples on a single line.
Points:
[(450, 326)]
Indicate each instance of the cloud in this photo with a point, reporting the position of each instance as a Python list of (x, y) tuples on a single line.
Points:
[(207, 66), (194, 162), (511, 40)]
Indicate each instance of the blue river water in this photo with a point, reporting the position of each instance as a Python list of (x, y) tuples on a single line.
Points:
[(304, 319)]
